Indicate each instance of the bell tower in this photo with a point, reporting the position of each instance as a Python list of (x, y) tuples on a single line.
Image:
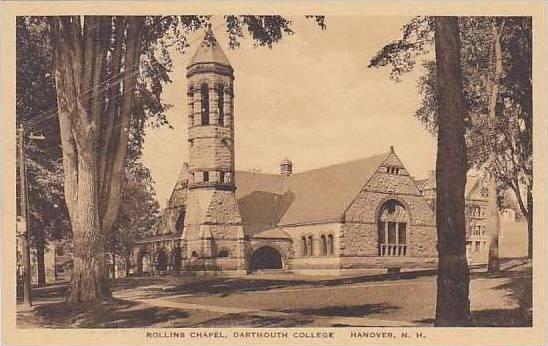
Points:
[(213, 223)]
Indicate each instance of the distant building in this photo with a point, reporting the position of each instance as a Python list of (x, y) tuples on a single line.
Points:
[(512, 233)]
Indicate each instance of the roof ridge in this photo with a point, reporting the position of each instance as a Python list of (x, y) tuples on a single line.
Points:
[(343, 163)]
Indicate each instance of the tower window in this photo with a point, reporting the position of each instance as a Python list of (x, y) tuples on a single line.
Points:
[(221, 104), (206, 176), (204, 92)]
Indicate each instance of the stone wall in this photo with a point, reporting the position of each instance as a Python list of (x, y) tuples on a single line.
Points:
[(359, 234)]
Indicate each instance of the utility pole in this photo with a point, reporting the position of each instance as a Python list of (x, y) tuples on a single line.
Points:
[(25, 236), (24, 224)]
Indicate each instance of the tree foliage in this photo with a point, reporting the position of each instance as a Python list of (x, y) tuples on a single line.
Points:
[(496, 61), (35, 91), (138, 213), (109, 73)]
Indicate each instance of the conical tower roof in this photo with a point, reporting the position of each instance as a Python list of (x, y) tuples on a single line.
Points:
[(209, 51)]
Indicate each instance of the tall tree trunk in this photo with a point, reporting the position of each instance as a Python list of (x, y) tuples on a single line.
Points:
[(453, 305), (128, 263), (89, 280), (493, 223), (493, 227), (40, 247), (113, 266), (94, 133)]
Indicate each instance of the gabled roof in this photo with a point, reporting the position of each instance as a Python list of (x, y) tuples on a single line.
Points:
[(267, 201), (317, 195), (473, 181), (209, 51), (324, 194)]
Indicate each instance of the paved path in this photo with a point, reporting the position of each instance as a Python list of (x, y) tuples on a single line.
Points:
[(320, 320)]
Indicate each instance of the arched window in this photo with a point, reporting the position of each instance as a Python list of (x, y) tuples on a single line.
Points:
[(310, 245), (206, 176), (324, 245), (304, 247), (330, 245), (204, 93), (392, 229), (222, 253), (180, 224), (221, 104)]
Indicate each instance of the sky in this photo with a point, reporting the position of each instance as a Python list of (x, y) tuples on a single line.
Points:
[(310, 98)]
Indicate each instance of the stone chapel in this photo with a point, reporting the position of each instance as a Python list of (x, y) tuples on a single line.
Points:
[(367, 214)]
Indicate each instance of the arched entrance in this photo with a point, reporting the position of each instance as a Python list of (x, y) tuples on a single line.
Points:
[(145, 264), (161, 260), (266, 258)]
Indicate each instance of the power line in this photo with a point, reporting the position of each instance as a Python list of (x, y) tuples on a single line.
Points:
[(53, 112)]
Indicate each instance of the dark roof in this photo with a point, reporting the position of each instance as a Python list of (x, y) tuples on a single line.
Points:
[(324, 194), (317, 195), (275, 233), (267, 201), (209, 51)]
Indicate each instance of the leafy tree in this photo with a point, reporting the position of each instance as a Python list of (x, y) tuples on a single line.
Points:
[(497, 80), (35, 91), (137, 214), (109, 74)]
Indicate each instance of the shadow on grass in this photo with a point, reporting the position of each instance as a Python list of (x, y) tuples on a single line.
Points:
[(111, 313), (253, 321), (224, 287), (345, 310), (518, 288)]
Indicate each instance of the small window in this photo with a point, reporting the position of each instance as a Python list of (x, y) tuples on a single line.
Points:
[(220, 104), (324, 245), (59, 251), (304, 245), (222, 253), (402, 233), (222, 177), (330, 245), (310, 246), (391, 232), (194, 254), (60, 269), (382, 228), (206, 176), (204, 93)]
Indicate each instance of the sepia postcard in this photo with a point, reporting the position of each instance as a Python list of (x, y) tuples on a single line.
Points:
[(289, 173)]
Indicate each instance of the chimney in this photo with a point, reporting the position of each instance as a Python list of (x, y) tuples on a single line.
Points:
[(286, 167)]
